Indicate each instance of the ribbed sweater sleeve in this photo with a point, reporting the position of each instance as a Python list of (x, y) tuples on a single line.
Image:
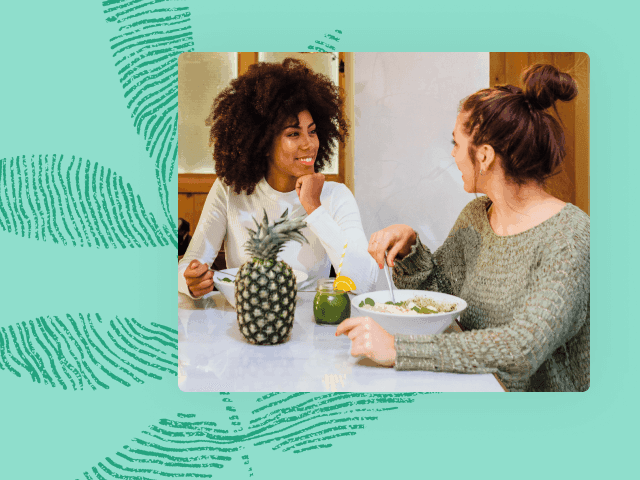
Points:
[(343, 226), (443, 271), (333, 224)]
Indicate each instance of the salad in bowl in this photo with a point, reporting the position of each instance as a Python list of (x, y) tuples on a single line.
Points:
[(414, 312)]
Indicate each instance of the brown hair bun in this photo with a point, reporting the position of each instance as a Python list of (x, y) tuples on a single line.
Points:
[(529, 140), (545, 84)]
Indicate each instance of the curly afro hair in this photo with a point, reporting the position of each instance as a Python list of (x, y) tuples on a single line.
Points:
[(247, 115)]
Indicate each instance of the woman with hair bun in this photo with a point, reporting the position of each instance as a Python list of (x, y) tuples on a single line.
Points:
[(518, 256), (273, 129)]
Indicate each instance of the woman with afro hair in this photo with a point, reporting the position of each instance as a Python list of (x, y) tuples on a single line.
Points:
[(273, 129)]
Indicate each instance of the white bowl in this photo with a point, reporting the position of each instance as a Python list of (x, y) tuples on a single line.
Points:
[(418, 324), (228, 288)]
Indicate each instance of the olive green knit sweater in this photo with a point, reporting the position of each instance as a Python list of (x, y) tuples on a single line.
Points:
[(528, 301)]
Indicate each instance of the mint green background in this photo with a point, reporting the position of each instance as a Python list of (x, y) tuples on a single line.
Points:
[(61, 95)]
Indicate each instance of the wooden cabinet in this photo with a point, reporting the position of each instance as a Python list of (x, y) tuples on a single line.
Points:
[(192, 194)]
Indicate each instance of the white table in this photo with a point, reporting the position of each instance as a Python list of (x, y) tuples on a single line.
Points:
[(215, 357)]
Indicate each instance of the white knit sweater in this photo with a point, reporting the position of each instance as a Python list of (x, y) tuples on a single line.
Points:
[(227, 215)]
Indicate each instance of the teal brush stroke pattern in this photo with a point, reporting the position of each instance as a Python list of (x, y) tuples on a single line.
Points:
[(284, 422), (329, 44), (88, 352), (151, 36), (299, 422), (172, 448), (74, 202), (236, 425)]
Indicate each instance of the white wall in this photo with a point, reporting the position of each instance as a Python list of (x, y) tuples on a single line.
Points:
[(405, 110)]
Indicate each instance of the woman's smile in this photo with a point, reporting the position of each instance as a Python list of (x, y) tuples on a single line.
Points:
[(306, 160)]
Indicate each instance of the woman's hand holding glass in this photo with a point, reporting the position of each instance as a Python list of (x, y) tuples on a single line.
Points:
[(397, 239), (369, 339), (199, 278)]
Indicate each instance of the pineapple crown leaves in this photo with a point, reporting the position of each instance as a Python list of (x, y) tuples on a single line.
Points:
[(267, 241)]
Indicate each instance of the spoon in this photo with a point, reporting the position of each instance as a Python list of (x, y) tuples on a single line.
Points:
[(386, 271), (211, 269)]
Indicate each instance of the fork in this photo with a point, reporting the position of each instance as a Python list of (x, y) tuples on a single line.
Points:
[(386, 271)]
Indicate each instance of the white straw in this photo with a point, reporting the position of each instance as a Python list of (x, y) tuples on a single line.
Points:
[(344, 251)]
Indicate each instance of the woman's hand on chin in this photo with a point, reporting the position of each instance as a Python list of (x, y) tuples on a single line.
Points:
[(369, 339), (309, 188)]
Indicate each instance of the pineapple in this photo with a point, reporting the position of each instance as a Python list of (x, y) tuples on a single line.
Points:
[(265, 288)]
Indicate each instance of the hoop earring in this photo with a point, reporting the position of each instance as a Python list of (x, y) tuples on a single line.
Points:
[(481, 172)]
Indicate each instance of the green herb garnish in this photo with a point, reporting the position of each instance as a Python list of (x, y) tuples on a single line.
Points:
[(225, 279), (423, 310), (367, 301)]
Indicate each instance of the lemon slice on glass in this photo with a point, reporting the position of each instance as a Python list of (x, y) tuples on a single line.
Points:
[(344, 283)]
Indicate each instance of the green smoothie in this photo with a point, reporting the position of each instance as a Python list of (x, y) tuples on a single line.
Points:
[(331, 307)]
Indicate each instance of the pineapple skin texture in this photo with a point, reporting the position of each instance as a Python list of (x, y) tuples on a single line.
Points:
[(266, 294)]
